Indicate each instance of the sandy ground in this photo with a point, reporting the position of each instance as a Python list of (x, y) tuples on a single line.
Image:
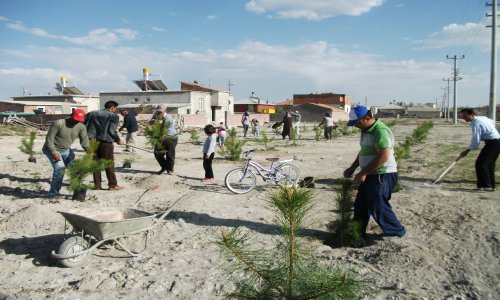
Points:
[(451, 250)]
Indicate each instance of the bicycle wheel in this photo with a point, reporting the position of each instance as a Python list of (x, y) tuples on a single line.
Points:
[(287, 174), (237, 184)]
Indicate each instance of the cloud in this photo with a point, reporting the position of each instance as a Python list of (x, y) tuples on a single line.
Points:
[(274, 72), (315, 10), (3, 19), (211, 17), (159, 29), (99, 38), (475, 34)]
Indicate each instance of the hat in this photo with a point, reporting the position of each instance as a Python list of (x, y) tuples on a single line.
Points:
[(78, 115), (357, 114), (161, 108)]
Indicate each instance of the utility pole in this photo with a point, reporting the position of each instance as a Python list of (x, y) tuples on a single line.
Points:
[(455, 79), (448, 99), (229, 84), (443, 102), (493, 106)]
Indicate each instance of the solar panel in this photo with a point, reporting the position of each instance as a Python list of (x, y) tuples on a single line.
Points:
[(72, 90), (151, 85)]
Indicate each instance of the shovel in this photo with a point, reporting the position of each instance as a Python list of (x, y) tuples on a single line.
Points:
[(446, 171), (147, 150)]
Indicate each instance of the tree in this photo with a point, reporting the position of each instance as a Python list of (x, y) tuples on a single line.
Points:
[(27, 145)]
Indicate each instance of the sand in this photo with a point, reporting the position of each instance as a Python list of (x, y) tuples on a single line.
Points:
[(450, 251)]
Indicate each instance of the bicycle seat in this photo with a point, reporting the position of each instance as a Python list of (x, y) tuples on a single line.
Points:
[(272, 159)]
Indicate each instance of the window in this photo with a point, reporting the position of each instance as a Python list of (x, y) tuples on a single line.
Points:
[(58, 110), (148, 99), (41, 108), (136, 100), (201, 104)]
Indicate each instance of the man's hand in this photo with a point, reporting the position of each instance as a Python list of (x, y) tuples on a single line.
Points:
[(464, 153), (348, 172), (121, 142), (359, 178), (56, 155)]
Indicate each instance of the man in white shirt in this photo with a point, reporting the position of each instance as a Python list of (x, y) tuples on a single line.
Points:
[(483, 129)]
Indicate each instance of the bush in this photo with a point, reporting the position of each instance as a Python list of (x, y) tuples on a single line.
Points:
[(265, 140), (233, 146), (27, 145), (318, 133), (194, 136)]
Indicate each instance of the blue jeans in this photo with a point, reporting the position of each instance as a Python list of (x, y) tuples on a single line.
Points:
[(373, 200), (67, 157)]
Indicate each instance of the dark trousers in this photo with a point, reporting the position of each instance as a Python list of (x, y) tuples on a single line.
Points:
[(167, 160), (373, 200), (485, 164), (207, 165), (105, 151), (328, 132)]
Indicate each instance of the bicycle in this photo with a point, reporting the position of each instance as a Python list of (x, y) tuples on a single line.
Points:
[(243, 180)]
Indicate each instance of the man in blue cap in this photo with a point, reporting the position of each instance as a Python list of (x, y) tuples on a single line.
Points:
[(378, 174)]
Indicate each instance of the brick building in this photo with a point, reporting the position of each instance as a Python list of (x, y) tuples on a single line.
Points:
[(341, 101)]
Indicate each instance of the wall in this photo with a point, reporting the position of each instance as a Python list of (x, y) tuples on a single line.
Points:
[(11, 106), (341, 100)]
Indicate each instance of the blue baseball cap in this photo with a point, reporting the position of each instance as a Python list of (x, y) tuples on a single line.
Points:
[(357, 114)]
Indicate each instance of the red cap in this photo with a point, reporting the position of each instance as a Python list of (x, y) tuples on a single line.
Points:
[(78, 115)]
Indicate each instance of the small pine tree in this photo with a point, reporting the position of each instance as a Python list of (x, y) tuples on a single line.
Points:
[(154, 134), (295, 136), (80, 168), (27, 145), (335, 134), (318, 133), (288, 271), (194, 136), (234, 146), (346, 232), (265, 140)]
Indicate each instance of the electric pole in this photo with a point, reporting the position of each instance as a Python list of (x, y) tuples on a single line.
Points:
[(443, 102), (455, 79), (493, 106), (448, 99)]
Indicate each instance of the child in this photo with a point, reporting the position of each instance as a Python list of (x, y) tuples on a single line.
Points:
[(255, 127), (209, 152), (221, 134)]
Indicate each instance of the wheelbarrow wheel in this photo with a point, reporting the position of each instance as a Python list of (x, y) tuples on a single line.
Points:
[(72, 245)]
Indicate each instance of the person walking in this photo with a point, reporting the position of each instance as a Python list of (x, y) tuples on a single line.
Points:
[(255, 127), (166, 158), (221, 134), (209, 153), (102, 126), (327, 123), (245, 121), (296, 122), (287, 126), (378, 174), (61, 135), (483, 129), (129, 123)]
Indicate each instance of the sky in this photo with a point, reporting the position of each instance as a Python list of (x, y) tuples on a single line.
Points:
[(375, 51)]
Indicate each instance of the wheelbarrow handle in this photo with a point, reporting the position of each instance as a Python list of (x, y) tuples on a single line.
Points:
[(169, 209)]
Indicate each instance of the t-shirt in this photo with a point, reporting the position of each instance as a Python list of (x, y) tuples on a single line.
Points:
[(378, 136), (327, 122)]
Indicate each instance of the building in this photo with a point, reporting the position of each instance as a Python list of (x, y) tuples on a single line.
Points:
[(255, 105), (314, 113), (192, 99), (41, 106), (69, 99), (341, 101)]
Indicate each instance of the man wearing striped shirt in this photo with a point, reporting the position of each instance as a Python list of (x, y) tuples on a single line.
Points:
[(483, 129), (378, 174)]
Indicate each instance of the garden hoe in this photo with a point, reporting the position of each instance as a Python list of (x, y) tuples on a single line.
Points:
[(446, 171), (163, 152)]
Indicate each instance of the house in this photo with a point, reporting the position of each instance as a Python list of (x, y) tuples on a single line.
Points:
[(312, 112), (69, 99), (255, 105), (423, 112), (207, 103), (389, 111), (341, 101)]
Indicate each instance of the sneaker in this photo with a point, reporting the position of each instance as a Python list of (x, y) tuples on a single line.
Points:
[(170, 172), (208, 180)]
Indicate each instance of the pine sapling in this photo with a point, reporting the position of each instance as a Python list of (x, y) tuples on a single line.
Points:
[(194, 136), (265, 140), (234, 147), (318, 132), (27, 145), (289, 270)]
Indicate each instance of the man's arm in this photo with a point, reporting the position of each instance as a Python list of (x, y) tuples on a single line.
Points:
[(349, 171), (51, 134), (84, 138)]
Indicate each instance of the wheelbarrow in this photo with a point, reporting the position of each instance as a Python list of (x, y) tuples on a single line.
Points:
[(92, 228)]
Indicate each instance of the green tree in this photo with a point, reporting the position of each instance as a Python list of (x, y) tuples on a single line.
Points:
[(265, 140), (233, 146), (194, 136), (27, 145), (288, 271)]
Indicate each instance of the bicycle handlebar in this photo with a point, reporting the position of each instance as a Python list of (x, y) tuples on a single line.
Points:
[(246, 153)]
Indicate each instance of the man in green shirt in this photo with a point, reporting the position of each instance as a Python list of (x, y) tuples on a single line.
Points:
[(62, 133), (378, 173)]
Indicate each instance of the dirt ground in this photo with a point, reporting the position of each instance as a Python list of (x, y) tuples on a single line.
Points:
[(450, 251)]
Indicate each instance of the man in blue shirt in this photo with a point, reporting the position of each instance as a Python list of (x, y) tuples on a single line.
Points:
[(483, 129), (129, 123)]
